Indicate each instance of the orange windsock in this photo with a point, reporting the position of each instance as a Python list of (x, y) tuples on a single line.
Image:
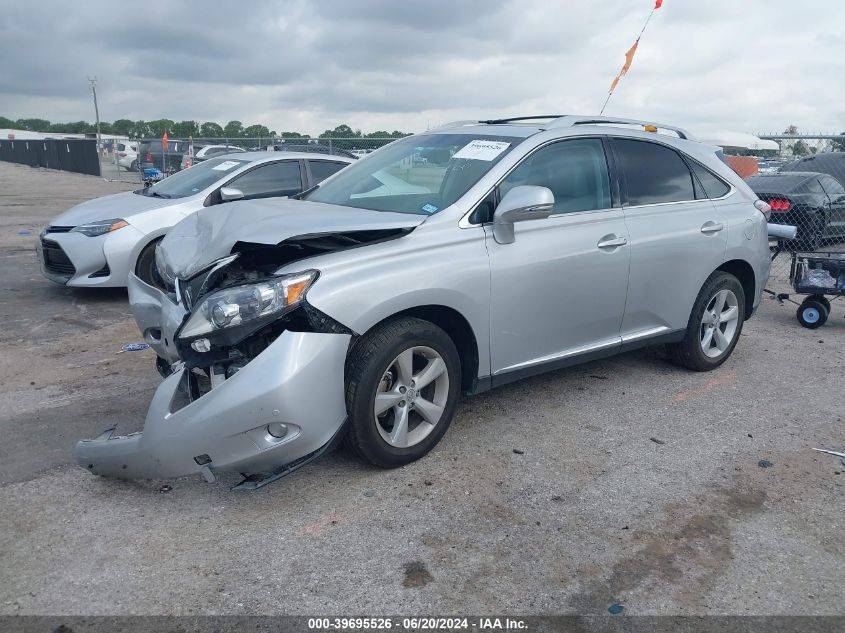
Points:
[(629, 58), (658, 4)]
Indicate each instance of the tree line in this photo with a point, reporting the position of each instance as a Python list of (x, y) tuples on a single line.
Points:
[(182, 129)]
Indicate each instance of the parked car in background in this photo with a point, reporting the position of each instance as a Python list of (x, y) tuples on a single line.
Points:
[(813, 202), (363, 309), (204, 152), (99, 242), (314, 148), (152, 153), (769, 166), (127, 155), (830, 163)]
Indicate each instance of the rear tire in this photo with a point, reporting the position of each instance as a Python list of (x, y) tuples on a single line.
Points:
[(145, 267), (714, 326), (402, 385), (812, 314), (133, 166)]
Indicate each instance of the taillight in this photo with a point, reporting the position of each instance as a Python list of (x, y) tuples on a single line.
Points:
[(780, 204), (149, 157)]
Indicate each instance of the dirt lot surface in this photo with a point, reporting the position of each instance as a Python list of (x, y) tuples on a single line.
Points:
[(623, 481)]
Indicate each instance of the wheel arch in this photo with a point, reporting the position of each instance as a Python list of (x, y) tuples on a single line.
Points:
[(458, 328), (149, 238), (744, 272)]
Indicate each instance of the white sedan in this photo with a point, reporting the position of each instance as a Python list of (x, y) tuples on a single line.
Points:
[(98, 242)]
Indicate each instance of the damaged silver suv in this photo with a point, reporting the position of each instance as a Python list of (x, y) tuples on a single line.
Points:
[(451, 261)]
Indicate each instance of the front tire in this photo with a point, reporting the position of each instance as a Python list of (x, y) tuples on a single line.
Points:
[(145, 267), (402, 386), (715, 324)]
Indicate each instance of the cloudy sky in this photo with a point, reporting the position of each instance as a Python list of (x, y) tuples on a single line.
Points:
[(746, 65)]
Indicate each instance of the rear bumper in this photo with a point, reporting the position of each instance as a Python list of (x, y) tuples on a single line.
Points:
[(296, 382)]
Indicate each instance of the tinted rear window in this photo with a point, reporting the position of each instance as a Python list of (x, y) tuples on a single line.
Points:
[(321, 169)]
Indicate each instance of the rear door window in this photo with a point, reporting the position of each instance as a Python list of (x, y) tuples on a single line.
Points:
[(322, 169), (271, 180), (653, 173)]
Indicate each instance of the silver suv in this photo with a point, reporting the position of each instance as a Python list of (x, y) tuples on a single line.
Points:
[(452, 261)]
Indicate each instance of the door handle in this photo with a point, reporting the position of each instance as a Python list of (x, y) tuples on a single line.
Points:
[(611, 241), (710, 227)]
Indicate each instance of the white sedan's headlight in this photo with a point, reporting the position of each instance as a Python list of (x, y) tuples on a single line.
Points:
[(93, 229), (239, 305)]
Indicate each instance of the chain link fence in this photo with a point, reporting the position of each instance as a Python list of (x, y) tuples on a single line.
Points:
[(125, 160), (804, 183)]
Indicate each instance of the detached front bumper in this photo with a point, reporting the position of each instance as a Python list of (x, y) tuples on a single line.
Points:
[(295, 385)]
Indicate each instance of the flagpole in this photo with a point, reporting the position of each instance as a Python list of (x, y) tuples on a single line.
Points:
[(637, 41)]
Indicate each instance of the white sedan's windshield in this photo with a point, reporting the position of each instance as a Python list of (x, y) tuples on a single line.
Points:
[(419, 174), (190, 181)]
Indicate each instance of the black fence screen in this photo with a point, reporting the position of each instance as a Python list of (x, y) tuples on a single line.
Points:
[(77, 155)]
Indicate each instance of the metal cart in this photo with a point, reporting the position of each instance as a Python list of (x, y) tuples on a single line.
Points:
[(818, 275)]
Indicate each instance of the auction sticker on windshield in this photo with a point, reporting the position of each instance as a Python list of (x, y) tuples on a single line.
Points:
[(226, 165), (481, 150)]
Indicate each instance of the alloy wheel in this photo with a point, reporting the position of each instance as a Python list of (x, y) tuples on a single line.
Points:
[(719, 323), (411, 396)]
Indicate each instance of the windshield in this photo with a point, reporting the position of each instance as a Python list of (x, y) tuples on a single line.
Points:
[(193, 180), (419, 174)]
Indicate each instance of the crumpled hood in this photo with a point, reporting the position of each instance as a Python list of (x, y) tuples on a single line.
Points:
[(119, 205), (209, 234)]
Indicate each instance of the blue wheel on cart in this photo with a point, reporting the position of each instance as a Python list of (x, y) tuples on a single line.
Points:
[(812, 313)]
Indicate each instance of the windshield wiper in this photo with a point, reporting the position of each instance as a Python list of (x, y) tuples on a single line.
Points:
[(160, 195)]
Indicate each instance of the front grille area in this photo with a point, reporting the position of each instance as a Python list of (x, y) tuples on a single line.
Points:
[(55, 259), (58, 229)]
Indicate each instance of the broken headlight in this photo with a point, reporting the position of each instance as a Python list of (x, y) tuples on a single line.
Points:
[(239, 305)]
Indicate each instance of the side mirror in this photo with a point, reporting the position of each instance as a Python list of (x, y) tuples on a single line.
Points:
[(526, 202), (227, 194)]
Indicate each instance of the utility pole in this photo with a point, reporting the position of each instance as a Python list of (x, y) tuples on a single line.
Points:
[(93, 82)]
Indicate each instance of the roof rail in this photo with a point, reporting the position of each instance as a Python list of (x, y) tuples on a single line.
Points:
[(522, 118), (446, 126), (572, 120)]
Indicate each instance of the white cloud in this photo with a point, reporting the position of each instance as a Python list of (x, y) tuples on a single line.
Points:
[(756, 65)]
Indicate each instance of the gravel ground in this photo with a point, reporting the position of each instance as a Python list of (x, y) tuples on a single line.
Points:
[(622, 481)]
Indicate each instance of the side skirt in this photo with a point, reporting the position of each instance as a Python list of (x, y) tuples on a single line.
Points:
[(485, 383)]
